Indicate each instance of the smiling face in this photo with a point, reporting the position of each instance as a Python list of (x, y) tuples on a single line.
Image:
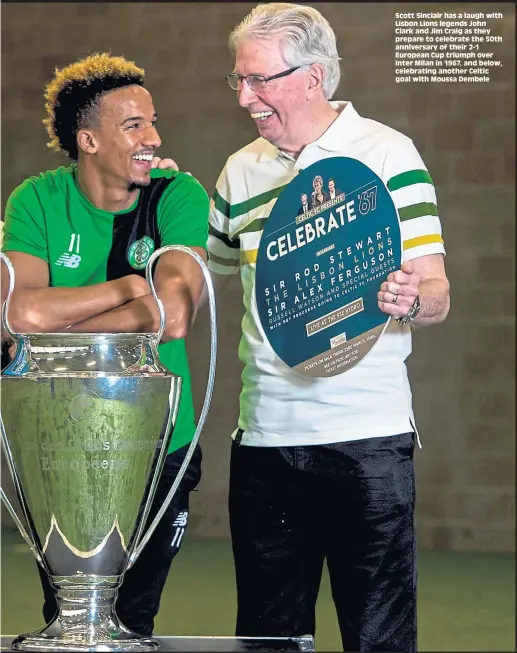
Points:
[(304, 198), (281, 110), (124, 141), (331, 185)]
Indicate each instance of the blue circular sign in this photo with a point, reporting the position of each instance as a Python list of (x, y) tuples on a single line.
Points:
[(332, 238)]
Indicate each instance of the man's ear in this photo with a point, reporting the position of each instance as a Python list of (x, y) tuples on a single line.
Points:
[(316, 76), (86, 141)]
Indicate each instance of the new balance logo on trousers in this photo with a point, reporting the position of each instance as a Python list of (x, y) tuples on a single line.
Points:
[(181, 523), (69, 259)]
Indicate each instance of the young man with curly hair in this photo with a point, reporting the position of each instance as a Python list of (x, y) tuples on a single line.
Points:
[(79, 238)]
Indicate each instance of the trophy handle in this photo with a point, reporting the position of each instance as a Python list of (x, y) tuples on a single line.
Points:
[(5, 305), (21, 527), (140, 543), (29, 538)]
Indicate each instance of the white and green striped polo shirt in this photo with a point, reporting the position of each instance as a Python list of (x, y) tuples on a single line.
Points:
[(280, 407)]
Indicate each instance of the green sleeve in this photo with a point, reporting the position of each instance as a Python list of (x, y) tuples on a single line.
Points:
[(24, 229), (183, 213)]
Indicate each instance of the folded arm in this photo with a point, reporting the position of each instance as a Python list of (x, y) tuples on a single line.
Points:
[(37, 308), (179, 283)]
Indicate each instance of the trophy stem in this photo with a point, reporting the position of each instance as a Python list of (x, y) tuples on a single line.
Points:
[(85, 621)]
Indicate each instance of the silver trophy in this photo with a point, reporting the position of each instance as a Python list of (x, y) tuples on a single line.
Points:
[(89, 419)]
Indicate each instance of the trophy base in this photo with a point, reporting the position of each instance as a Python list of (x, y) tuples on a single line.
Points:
[(219, 644), (86, 621), (90, 637), (41, 641)]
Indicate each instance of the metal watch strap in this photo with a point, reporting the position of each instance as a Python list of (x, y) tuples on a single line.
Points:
[(411, 314)]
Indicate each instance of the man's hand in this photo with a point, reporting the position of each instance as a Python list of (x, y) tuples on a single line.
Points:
[(399, 291), (164, 164), (12, 350)]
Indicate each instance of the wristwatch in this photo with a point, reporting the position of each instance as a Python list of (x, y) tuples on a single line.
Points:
[(411, 314)]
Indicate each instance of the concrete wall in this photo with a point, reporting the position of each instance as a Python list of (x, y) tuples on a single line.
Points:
[(462, 371)]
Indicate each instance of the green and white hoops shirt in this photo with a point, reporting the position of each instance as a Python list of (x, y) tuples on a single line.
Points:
[(279, 407)]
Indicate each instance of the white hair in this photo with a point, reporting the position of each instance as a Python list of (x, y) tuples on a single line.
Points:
[(306, 37)]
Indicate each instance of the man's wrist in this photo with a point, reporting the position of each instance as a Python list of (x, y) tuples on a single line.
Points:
[(411, 314)]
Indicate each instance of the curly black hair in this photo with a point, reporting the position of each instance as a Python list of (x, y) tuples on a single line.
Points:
[(73, 96)]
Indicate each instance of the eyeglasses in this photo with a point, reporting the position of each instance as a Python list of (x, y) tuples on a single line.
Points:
[(256, 83)]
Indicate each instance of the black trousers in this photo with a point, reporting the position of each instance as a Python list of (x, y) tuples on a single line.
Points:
[(139, 595), (351, 504)]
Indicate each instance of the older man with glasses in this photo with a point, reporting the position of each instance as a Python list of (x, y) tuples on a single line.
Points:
[(257, 83), (322, 468)]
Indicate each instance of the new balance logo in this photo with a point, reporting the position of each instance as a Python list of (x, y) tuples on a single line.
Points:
[(181, 519), (180, 522), (68, 259)]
